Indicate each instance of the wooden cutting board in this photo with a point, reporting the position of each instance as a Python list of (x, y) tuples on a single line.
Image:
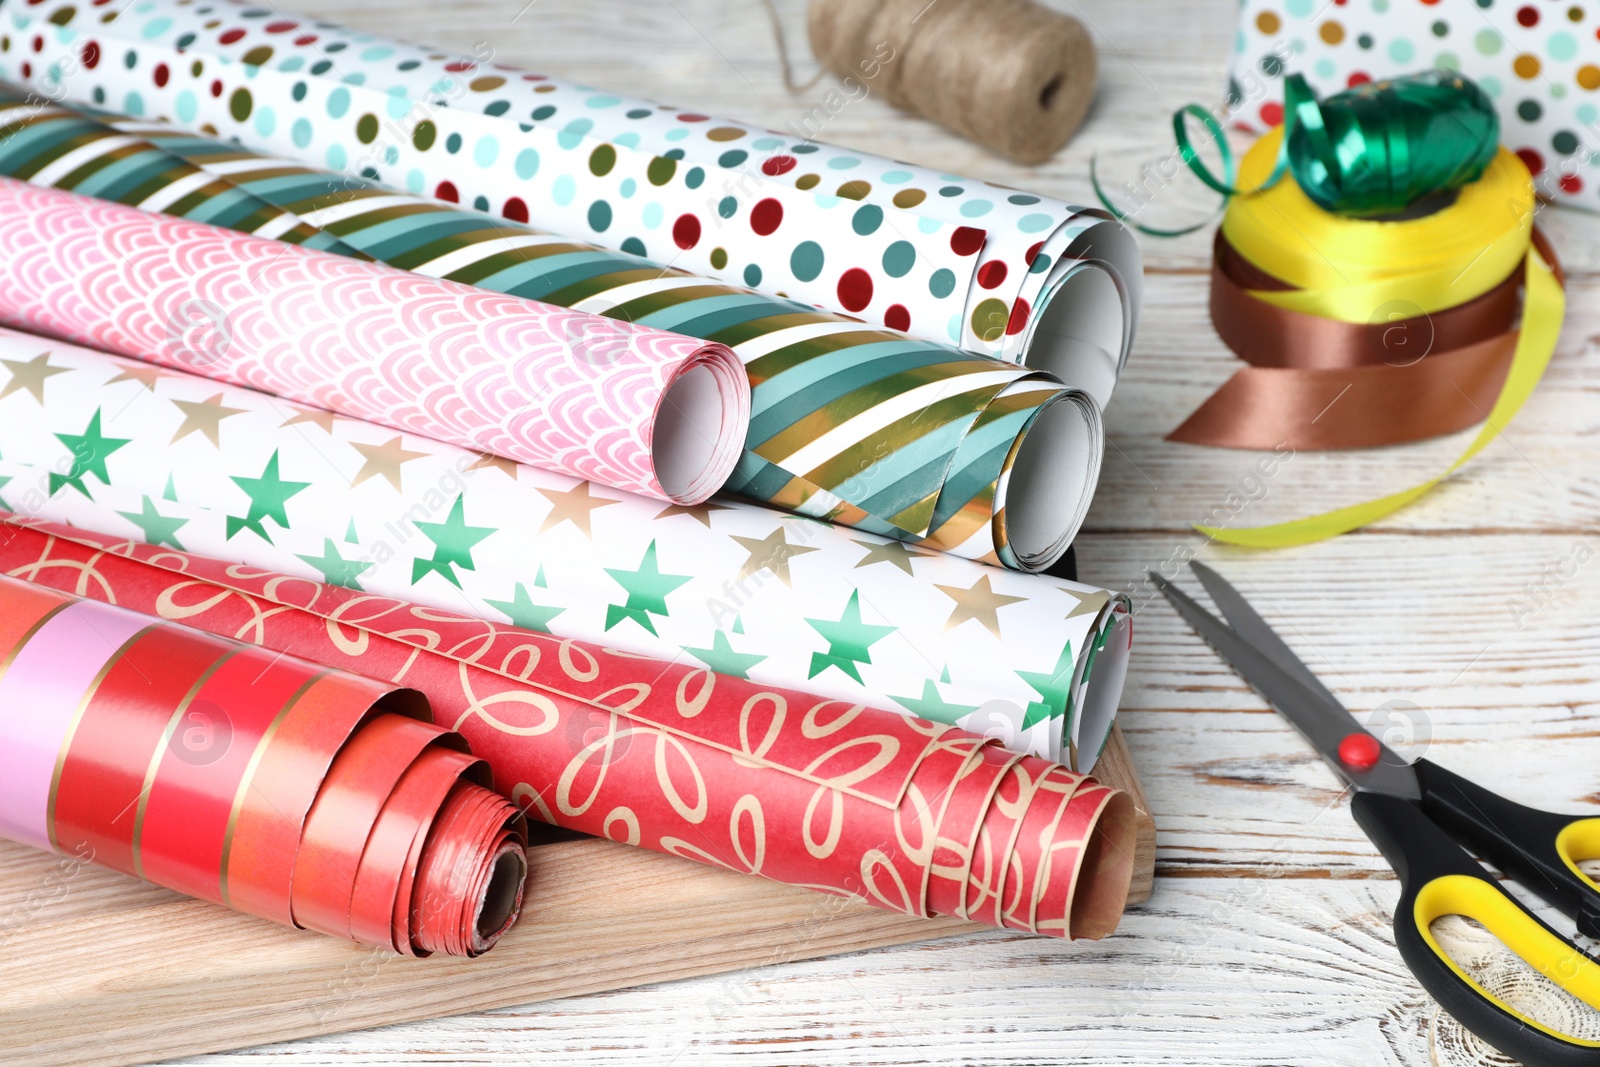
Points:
[(100, 968)]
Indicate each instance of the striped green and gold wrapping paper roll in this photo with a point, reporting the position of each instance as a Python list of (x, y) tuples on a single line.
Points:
[(851, 423)]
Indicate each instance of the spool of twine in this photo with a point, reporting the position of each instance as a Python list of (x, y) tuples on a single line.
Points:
[(1010, 74)]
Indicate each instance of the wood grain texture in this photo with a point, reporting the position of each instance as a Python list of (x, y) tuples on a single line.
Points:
[(1266, 941)]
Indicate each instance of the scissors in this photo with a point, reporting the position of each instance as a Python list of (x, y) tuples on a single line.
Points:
[(1424, 819)]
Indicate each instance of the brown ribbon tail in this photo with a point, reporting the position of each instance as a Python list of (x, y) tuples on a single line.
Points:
[(1321, 409)]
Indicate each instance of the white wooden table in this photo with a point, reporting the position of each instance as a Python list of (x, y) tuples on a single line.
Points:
[(1267, 940)]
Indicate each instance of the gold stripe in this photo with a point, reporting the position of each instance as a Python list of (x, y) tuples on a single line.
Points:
[(155, 757), (33, 631), (249, 773), (72, 730)]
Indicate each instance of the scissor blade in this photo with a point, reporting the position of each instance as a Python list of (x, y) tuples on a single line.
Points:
[(1320, 720), (1249, 624)]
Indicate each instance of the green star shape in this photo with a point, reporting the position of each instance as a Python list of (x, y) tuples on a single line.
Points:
[(523, 612), (848, 640), (158, 528), (267, 494), (453, 541), (721, 657), (930, 705), (1052, 688), (89, 451), (647, 590), (336, 570)]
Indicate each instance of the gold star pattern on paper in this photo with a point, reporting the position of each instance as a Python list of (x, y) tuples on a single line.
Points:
[(203, 416), (980, 602), (770, 553), (894, 552), (575, 505), (1087, 603), (701, 513), (315, 416), (142, 373), (385, 459), (486, 460), (30, 374)]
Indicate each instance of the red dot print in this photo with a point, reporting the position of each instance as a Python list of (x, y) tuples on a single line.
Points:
[(1033, 253), (966, 240), (991, 274), (686, 231), (1272, 113), (1019, 317), (690, 116), (305, 39), (460, 66), (216, 87), (1359, 77), (855, 289), (515, 209), (896, 317), (281, 27), (1527, 16), (230, 36), (778, 165), (38, 44), (1531, 159), (160, 75), (27, 69), (766, 216), (91, 54), (447, 191), (1571, 183)]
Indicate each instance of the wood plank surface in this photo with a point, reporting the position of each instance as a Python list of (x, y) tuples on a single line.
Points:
[(1266, 941)]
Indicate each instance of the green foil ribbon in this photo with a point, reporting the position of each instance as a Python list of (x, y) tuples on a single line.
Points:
[(1377, 150)]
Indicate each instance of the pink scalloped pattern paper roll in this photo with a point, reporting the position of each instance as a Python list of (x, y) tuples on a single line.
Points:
[(628, 406)]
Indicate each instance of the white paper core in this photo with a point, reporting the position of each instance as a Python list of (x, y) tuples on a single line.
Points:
[(1102, 692), (690, 430), (1052, 479), (1080, 332)]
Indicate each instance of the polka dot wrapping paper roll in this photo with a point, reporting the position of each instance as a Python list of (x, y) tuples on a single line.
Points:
[(907, 814), (122, 446), (248, 778), (855, 424), (943, 257), (1539, 61)]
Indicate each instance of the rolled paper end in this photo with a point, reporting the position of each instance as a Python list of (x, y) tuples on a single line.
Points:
[(700, 425), (470, 878), (1083, 327), (1105, 871), (1105, 670), (1050, 478)]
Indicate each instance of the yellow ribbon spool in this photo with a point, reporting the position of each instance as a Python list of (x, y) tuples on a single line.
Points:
[(1348, 269)]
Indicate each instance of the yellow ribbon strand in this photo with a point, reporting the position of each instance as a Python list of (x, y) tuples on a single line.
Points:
[(1544, 306)]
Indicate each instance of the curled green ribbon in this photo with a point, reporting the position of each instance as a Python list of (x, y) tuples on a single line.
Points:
[(1380, 149)]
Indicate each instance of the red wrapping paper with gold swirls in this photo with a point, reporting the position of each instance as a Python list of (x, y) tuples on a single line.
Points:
[(907, 814)]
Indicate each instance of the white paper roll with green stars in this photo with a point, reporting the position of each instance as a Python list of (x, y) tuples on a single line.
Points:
[(127, 448)]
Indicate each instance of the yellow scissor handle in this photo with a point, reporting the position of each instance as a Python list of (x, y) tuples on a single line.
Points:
[(1578, 842), (1558, 960)]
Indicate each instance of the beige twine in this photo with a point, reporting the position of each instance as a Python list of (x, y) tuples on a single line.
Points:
[(1009, 74)]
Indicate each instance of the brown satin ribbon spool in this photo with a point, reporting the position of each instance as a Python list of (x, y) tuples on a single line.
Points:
[(1390, 381)]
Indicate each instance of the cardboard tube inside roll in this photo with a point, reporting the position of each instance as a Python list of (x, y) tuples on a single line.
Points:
[(1010, 74)]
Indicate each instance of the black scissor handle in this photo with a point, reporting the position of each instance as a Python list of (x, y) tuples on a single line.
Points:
[(1438, 878), (1540, 849)]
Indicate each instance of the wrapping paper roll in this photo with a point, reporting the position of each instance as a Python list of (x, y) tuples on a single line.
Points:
[(860, 426), (124, 447), (905, 813), (942, 257), (620, 404), (249, 778)]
